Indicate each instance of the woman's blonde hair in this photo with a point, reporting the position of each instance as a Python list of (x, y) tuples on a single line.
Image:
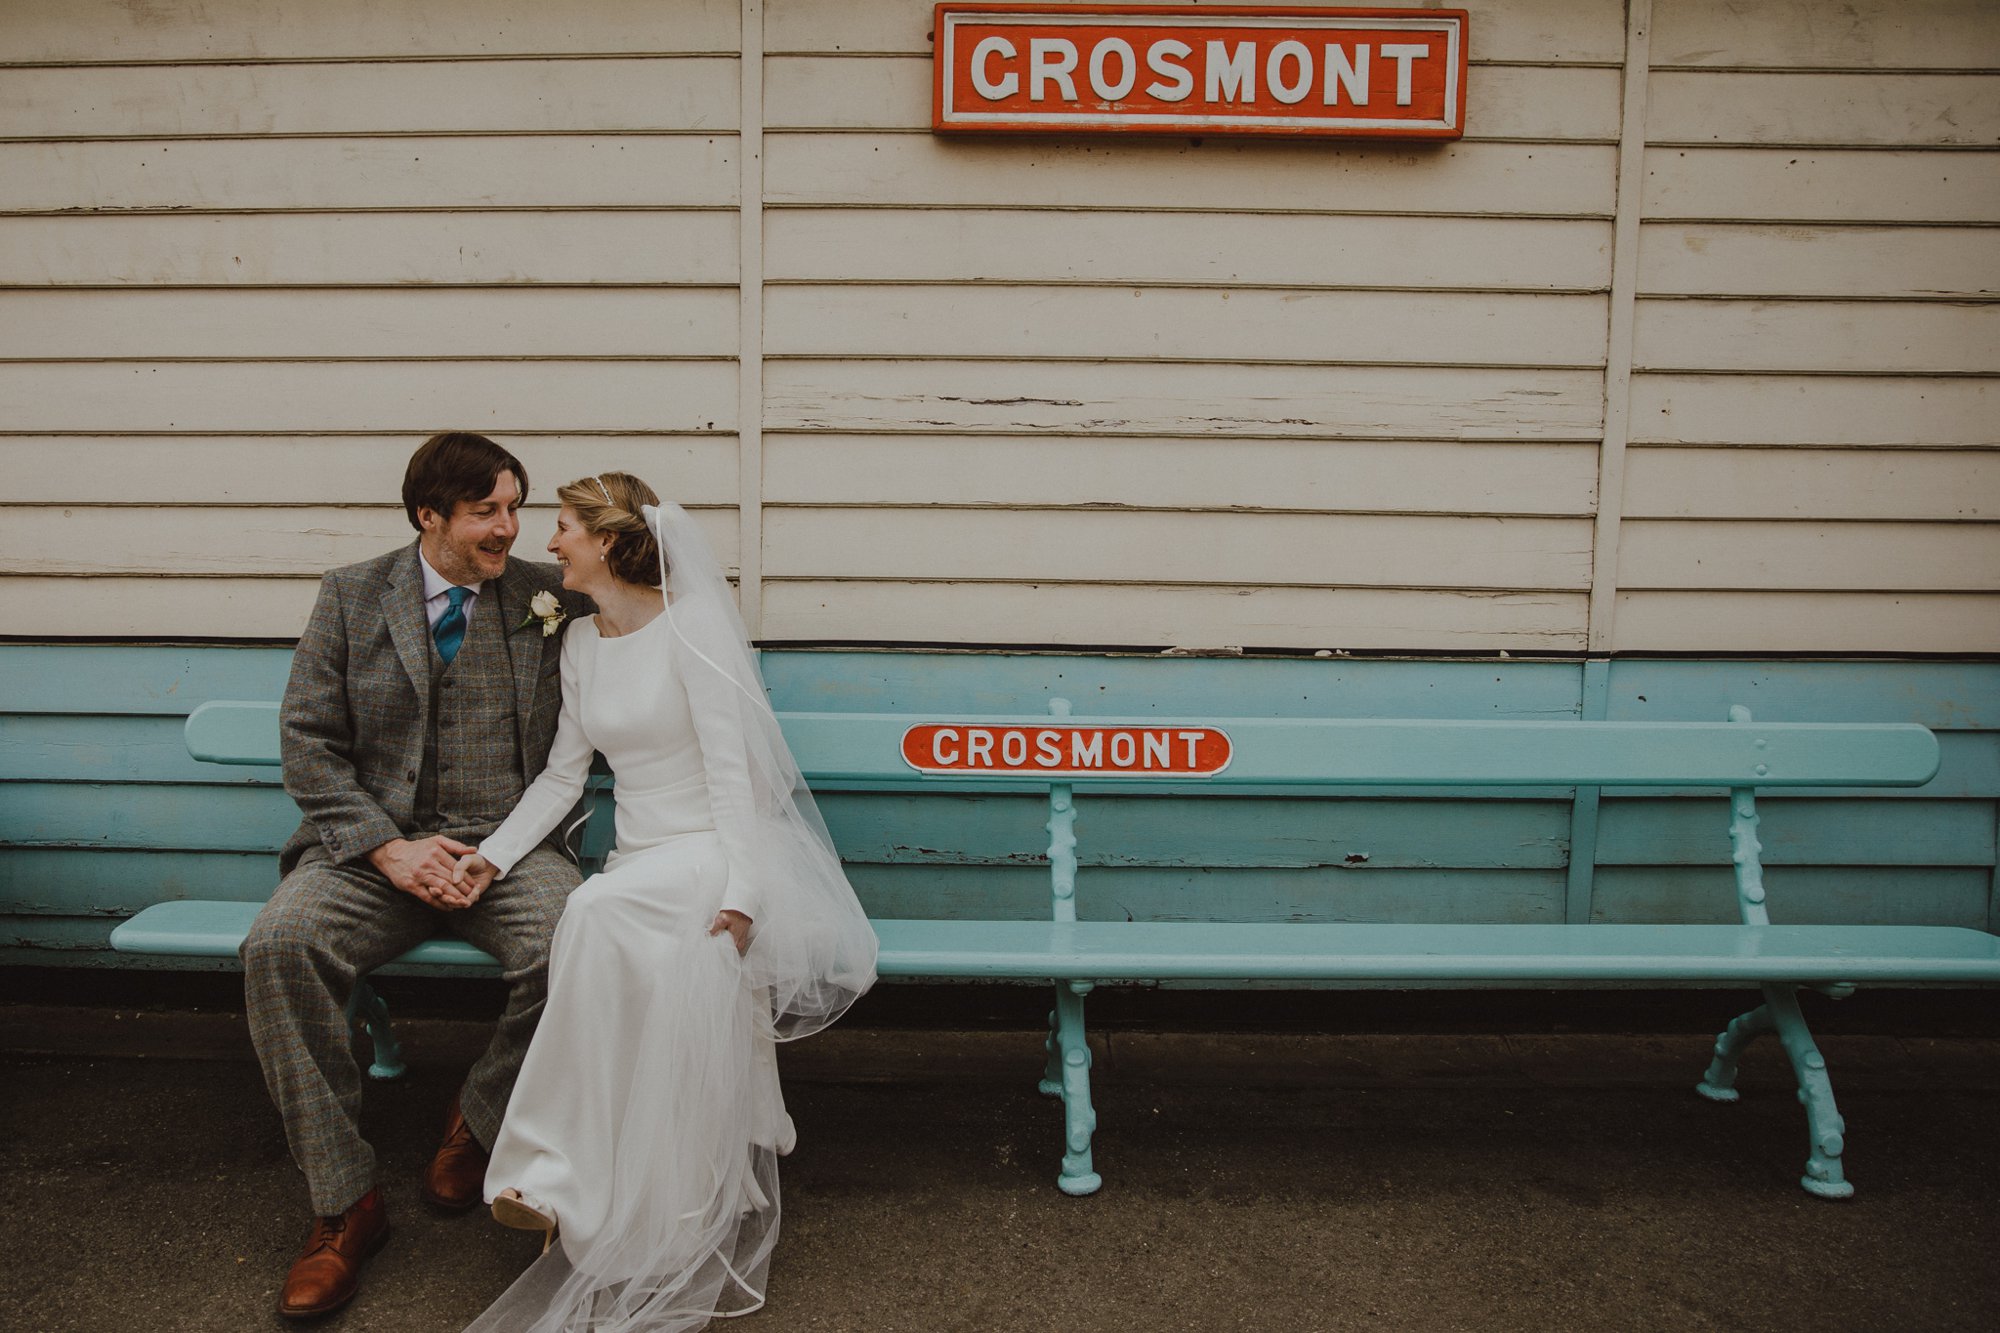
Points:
[(609, 502)]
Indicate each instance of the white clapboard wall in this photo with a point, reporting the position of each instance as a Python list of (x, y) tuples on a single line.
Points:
[(1019, 391)]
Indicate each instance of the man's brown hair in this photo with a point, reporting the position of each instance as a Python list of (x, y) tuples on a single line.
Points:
[(456, 465)]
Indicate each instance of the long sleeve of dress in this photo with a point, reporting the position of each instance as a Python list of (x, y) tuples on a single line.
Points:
[(555, 791), (726, 759)]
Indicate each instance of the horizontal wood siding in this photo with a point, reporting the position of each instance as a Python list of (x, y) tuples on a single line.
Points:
[(255, 253), (1813, 463)]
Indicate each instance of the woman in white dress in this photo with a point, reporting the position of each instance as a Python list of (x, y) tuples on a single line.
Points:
[(644, 1131)]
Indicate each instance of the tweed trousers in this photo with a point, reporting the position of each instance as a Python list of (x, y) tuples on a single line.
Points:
[(329, 924)]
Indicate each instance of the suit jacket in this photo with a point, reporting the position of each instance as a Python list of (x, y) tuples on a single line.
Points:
[(356, 715)]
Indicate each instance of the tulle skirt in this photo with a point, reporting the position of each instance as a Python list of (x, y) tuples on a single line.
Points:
[(648, 1114)]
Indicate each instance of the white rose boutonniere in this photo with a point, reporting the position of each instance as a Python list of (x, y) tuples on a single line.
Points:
[(545, 607)]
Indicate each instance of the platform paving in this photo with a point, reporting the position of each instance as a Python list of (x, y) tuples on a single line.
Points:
[(1254, 1182)]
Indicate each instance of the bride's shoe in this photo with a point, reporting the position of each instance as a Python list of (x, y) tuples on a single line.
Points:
[(511, 1208)]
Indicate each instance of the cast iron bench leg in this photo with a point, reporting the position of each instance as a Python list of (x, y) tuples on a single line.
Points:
[(366, 1009), (1825, 1130), (1079, 1117)]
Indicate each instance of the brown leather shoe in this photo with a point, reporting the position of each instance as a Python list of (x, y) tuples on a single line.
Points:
[(456, 1177), (327, 1272)]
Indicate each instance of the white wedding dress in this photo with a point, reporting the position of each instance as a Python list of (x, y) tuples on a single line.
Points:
[(648, 1115)]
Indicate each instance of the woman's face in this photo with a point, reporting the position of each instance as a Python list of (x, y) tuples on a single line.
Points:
[(580, 554)]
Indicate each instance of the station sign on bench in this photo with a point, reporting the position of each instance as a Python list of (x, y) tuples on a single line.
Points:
[(1066, 751), (1351, 73)]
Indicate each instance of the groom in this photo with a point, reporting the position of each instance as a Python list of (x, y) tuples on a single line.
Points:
[(422, 701)]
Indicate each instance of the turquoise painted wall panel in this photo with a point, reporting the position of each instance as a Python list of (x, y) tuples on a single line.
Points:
[(1799, 832), (65, 881), (1189, 687), (1226, 831), (135, 678), (119, 748), (1944, 696), (1325, 894), (81, 814), (1799, 895)]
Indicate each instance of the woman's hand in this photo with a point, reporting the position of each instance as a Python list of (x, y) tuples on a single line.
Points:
[(737, 924), (471, 877)]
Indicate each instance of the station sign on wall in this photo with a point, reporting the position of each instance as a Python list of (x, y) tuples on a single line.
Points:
[(1350, 73), (1066, 751)]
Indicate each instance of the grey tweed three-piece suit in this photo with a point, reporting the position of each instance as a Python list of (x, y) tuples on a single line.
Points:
[(382, 739)]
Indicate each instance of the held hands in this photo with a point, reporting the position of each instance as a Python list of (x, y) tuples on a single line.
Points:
[(472, 876), (425, 869), (737, 924)]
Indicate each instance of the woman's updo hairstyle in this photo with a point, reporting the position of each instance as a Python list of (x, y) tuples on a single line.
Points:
[(609, 502)]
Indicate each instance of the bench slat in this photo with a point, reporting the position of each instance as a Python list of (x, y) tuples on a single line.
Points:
[(1222, 951), (1321, 752)]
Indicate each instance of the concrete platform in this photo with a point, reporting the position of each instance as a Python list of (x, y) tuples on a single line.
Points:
[(1254, 1182)]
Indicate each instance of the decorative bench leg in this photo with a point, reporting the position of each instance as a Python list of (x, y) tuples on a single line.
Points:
[(1069, 1043), (1825, 1129), (1719, 1083), (366, 1009)]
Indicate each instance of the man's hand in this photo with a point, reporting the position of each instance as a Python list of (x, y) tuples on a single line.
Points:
[(472, 875), (424, 869), (736, 924)]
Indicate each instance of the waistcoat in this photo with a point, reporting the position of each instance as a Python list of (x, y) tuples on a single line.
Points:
[(471, 774)]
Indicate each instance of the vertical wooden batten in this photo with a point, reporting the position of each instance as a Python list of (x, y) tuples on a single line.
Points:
[(1623, 316), (750, 324)]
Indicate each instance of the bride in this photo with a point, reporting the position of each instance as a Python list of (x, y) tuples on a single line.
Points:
[(644, 1131)]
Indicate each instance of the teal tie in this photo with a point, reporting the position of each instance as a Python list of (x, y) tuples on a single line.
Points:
[(450, 629)]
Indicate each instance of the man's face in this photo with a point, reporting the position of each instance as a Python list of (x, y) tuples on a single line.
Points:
[(471, 546)]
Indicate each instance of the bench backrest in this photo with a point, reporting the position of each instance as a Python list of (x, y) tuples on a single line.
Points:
[(866, 750)]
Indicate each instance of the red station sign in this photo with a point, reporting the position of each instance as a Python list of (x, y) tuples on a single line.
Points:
[(1066, 750), (1352, 73)]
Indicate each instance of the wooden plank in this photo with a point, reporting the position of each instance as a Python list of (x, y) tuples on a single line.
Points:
[(1808, 556), (421, 323), (1206, 401), (332, 469), (137, 815), (1947, 697), (88, 881), (146, 680), (1709, 259), (1250, 616), (1419, 476), (536, 171), (1277, 550), (821, 92), (1147, 323), (68, 747), (397, 97), (1795, 832), (1373, 835), (1860, 337), (1864, 34), (407, 398), (1236, 250), (1818, 185), (1481, 179), (368, 249), (1328, 895), (1813, 410), (61, 31), (144, 606), (1812, 483), (1811, 108), (1799, 895), (243, 539), (1809, 622), (1592, 31)]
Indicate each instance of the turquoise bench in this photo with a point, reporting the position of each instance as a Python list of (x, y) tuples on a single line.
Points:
[(865, 752)]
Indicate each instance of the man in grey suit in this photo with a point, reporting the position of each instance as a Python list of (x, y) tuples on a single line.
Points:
[(422, 701)]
